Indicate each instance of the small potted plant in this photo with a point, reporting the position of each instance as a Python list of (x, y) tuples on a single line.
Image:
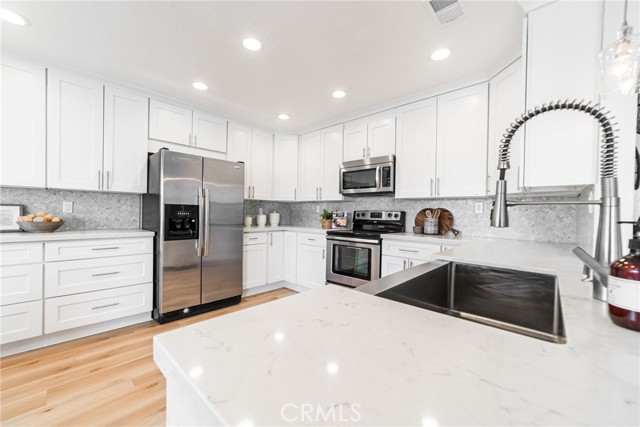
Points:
[(327, 217)]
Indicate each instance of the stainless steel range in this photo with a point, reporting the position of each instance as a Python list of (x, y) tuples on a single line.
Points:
[(354, 255)]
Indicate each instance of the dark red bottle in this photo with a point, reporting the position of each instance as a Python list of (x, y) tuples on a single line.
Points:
[(624, 286)]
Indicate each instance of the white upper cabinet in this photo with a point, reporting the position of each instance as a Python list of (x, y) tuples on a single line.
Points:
[(331, 159), (261, 165), (209, 131), (319, 165), (169, 122), (506, 103), (74, 131), (22, 149), (239, 146), (186, 126), (561, 63), (416, 149), (371, 136), (285, 167), (462, 142), (125, 141)]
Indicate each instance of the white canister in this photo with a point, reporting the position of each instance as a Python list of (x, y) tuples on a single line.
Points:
[(247, 221), (261, 220), (274, 218)]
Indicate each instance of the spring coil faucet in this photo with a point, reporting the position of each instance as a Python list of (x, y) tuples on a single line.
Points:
[(608, 243)]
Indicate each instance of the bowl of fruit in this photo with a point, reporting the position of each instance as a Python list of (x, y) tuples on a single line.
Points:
[(41, 222)]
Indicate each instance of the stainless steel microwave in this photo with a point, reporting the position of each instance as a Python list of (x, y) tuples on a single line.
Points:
[(373, 176)]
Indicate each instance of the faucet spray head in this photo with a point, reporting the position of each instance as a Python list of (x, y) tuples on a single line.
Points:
[(499, 212)]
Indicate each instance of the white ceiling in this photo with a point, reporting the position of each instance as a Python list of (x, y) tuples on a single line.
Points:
[(377, 51)]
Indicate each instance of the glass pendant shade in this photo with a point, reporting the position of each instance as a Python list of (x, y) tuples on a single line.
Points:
[(620, 64)]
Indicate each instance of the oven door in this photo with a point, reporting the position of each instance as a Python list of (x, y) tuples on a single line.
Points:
[(351, 261)]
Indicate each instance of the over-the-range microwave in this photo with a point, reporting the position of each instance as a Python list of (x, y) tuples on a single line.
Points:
[(372, 176)]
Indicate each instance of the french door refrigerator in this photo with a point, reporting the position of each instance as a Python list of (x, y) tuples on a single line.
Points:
[(195, 206)]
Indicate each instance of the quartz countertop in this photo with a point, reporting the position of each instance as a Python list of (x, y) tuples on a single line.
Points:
[(23, 237), (372, 361)]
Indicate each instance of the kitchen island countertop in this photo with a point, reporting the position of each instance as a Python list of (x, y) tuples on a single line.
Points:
[(336, 356)]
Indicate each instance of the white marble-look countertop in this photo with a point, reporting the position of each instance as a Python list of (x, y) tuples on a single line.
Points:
[(23, 237), (296, 228), (336, 356)]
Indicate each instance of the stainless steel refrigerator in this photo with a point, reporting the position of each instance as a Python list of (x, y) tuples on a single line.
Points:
[(195, 206)]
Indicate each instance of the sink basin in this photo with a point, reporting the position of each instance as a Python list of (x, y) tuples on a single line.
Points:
[(518, 301)]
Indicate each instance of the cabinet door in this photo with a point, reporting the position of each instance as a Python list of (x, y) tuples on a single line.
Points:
[(311, 266), (332, 157), (125, 141), (310, 166), (261, 165), (209, 131), (561, 147), (20, 321), (169, 122), (254, 265), (381, 135), (22, 148), (461, 167), (285, 167), (74, 131), (416, 149), (290, 258), (392, 264), (355, 140), (239, 150), (275, 265), (506, 103)]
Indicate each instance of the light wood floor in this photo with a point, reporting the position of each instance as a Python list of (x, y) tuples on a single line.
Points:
[(105, 379)]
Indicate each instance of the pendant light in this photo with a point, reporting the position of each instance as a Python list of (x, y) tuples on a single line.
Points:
[(620, 62)]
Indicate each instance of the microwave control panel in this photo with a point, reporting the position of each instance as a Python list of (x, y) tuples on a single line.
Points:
[(386, 177)]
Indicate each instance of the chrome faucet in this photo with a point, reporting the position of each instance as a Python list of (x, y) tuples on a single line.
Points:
[(608, 243)]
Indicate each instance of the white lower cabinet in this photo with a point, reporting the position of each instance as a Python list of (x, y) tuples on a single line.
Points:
[(290, 256), (311, 260), (401, 255), (20, 321), (275, 257), (254, 260), (20, 283)]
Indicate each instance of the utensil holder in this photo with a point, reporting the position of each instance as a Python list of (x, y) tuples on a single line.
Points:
[(431, 225)]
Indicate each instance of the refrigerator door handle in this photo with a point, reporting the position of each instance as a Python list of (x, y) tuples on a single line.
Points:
[(201, 203), (207, 214)]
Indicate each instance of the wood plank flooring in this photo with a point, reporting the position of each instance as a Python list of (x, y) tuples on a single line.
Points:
[(105, 379)]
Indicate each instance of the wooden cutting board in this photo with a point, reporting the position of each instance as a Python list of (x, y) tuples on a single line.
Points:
[(445, 224)]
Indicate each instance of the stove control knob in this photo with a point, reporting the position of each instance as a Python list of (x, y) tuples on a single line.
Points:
[(397, 216), (389, 215)]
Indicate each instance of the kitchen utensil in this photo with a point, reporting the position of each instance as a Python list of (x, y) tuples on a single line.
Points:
[(40, 227), (445, 217)]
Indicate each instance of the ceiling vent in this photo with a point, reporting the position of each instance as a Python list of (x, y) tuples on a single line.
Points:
[(446, 10)]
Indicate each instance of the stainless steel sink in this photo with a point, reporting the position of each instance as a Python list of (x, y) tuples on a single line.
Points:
[(518, 301)]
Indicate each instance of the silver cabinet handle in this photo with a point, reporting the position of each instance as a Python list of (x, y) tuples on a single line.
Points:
[(364, 155), (404, 264), (323, 253), (105, 306), (410, 264), (408, 250), (270, 239), (437, 186), (311, 240), (295, 194), (99, 179), (320, 198), (253, 191), (316, 193), (105, 274), (368, 152), (108, 179), (195, 140), (105, 249), (431, 187), (253, 238)]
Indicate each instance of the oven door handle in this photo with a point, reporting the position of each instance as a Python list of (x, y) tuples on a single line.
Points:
[(352, 239)]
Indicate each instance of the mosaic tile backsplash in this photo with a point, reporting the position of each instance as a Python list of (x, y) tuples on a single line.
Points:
[(540, 223), (91, 210)]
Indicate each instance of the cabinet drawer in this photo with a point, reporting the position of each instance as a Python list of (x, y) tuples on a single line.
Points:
[(83, 249), (73, 311), (20, 253), (20, 283), (72, 277), (254, 238), (20, 321), (419, 251), (312, 239)]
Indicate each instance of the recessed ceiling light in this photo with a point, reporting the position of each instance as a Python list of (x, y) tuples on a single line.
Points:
[(252, 44), (13, 17), (283, 116), (440, 54), (200, 86), (338, 94)]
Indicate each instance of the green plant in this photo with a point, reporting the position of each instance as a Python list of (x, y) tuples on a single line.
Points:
[(326, 214)]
